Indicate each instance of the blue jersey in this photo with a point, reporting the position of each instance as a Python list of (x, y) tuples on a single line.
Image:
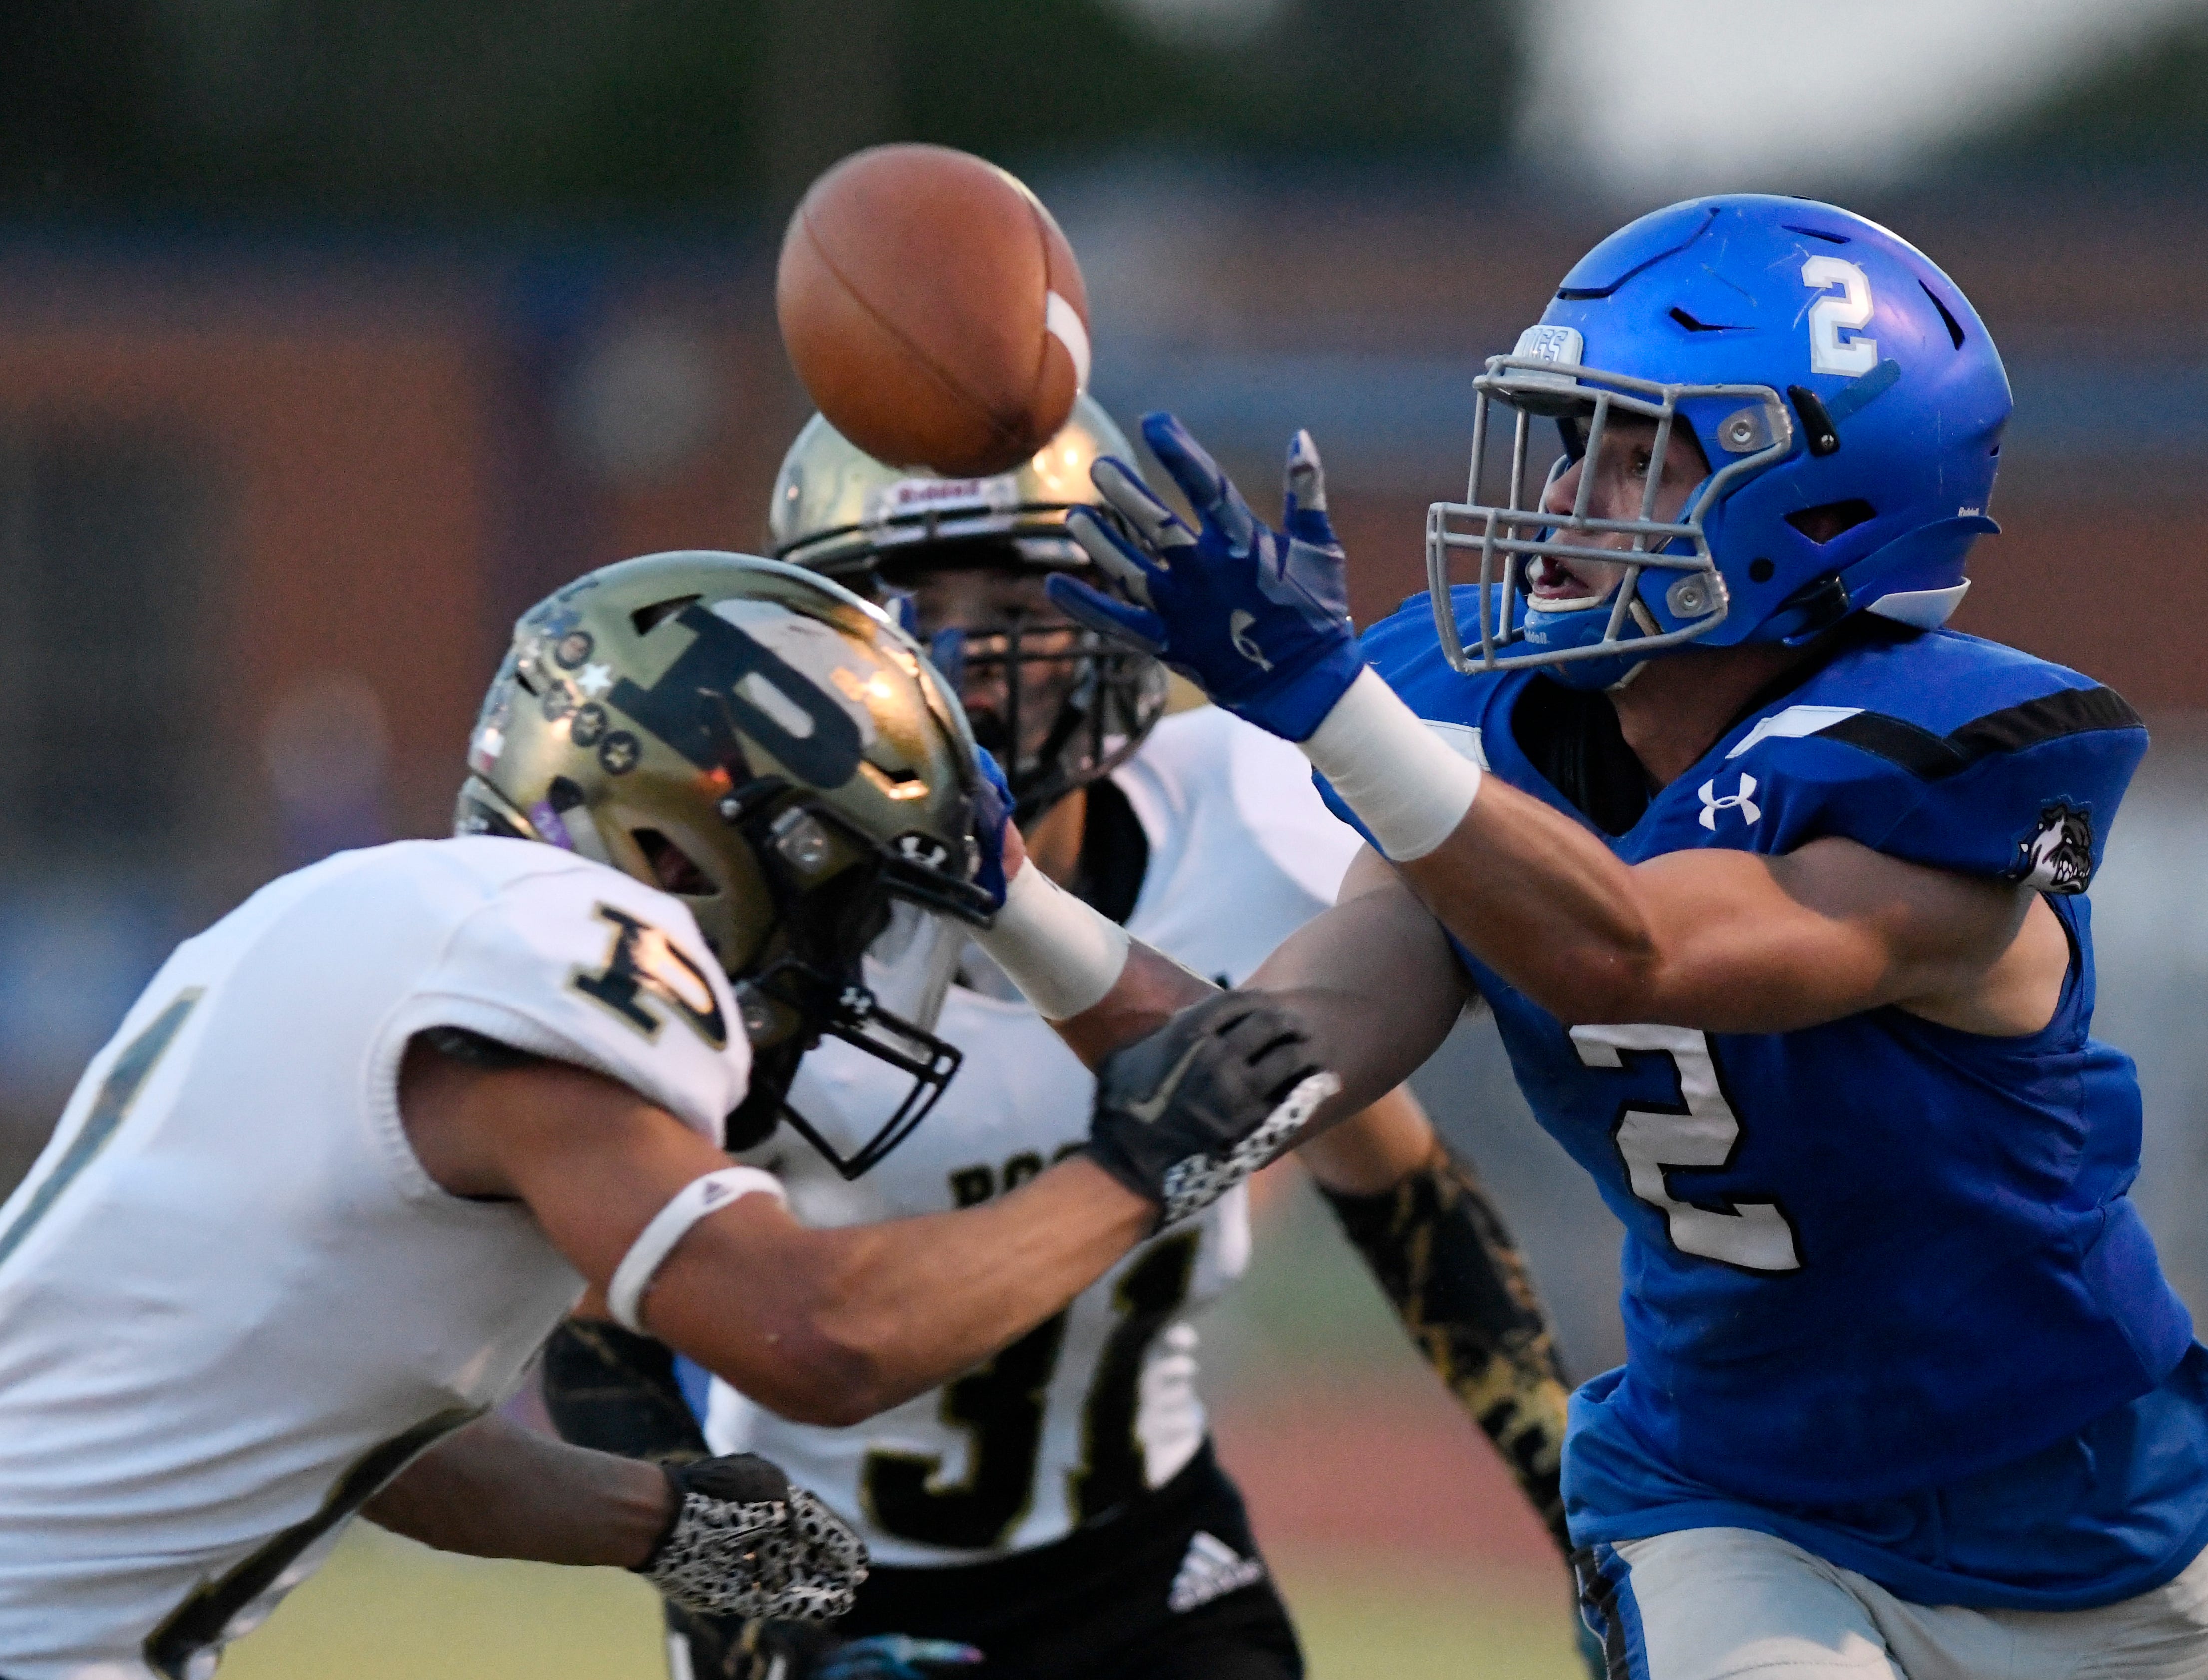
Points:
[(1874, 1267)]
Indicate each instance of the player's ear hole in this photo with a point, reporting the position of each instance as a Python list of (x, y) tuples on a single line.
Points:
[(1820, 524), (671, 865)]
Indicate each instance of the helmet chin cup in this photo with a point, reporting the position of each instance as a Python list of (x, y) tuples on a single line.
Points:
[(1589, 628)]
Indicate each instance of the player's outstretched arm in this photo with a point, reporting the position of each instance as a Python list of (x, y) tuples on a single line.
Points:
[(825, 1326), (1371, 980), (1732, 941), (1722, 941)]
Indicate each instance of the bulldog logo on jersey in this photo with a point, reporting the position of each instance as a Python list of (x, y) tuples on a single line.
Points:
[(2058, 857)]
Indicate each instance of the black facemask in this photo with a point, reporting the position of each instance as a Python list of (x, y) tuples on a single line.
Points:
[(814, 989)]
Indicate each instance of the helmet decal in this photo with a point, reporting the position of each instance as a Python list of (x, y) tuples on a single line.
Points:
[(727, 682)]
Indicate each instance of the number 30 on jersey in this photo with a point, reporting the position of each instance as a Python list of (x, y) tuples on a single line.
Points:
[(1703, 1131)]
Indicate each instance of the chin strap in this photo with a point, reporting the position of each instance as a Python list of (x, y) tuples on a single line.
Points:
[(1441, 1254)]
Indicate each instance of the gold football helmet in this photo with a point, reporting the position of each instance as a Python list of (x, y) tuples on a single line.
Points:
[(1057, 703), (773, 749)]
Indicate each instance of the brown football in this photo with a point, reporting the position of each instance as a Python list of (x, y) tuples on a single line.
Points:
[(934, 310)]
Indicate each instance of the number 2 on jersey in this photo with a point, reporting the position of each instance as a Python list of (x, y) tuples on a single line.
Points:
[(1703, 1131)]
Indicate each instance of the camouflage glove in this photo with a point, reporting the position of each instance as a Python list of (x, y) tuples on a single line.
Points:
[(1442, 1256), (1187, 1113), (743, 1542)]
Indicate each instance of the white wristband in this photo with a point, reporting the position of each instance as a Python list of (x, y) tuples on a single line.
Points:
[(1062, 955), (649, 1252), (1405, 785)]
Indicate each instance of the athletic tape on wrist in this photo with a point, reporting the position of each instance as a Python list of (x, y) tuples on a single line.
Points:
[(1062, 955), (1405, 785), (700, 1197)]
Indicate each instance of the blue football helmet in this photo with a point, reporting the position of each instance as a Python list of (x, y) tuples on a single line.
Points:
[(1839, 385)]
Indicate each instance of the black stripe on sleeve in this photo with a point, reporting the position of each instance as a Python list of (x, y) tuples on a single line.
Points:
[(1931, 757)]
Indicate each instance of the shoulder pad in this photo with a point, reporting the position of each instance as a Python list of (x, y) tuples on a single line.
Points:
[(1400, 639), (1405, 650), (1955, 752), (571, 960)]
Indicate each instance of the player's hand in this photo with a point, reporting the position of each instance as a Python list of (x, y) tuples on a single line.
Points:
[(997, 841), (1256, 618), (1187, 1113), (742, 1541)]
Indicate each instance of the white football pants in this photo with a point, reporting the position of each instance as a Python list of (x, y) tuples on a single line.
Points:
[(1727, 1603)]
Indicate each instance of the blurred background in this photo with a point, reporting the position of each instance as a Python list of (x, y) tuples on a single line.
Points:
[(331, 334)]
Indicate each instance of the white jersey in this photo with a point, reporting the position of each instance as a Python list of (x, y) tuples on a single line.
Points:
[(231, 1301), (1100, 1402)]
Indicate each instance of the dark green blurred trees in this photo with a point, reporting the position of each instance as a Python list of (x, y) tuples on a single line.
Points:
[(468, 108), (2145, 112)]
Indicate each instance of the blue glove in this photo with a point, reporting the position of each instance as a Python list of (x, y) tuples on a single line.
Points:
[(893, 1656), (1257, 618), (992, 810)]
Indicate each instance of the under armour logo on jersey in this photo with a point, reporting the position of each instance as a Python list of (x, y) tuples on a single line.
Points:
[(1741, 802), (1211, 1569), (1237, 632)]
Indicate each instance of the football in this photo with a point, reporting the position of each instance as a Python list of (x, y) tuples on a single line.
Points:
[(934, 310)]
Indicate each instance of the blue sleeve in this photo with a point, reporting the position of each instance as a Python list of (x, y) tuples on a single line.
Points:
[(2022, 793)]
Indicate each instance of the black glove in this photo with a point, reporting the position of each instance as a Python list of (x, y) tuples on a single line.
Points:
[(743, 1542), (1187, 1113)]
